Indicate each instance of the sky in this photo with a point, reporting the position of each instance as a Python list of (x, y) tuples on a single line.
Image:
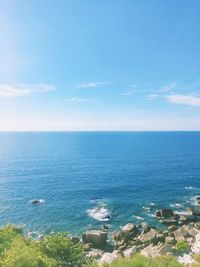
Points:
[(90, 65)]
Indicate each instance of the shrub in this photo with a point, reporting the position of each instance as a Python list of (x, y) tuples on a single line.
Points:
[(63, 250), (23, 253), (182, 247), (7, 235)]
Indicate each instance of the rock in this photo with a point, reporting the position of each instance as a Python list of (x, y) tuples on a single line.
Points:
[(172, 228), (107, 258), (160, 238), (116, 252), (127, 233), (165, 213), (180, 234), (97, 238), (193, 212), (196, 246), (193, 232), (198, 198), (166, 249), (186, 259), (170, 240), (197, 225), (35, 201), (149, 237), (150, 251), (130, 251), (95, 253), (129, 228)]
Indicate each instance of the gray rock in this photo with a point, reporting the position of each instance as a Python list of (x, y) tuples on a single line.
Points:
[(180, 234), (129, 228), (130, 251), (193, 232), (107, 258), (172, 228), (170, 240), (97, 238), (193, 212), (166, 249), (149, 237)]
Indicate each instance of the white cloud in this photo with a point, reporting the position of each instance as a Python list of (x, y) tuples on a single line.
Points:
[(184, 100), (152, 96), (8, 90), (128, 93), (167, 88), (92, 84), (78, 100)]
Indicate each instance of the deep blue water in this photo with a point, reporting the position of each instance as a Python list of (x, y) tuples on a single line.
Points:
[(75, 172)]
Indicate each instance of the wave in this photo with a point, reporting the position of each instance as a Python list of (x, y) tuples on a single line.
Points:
[(138, 217), (100, 212), (176, 205), (147, 209), (191, 188)]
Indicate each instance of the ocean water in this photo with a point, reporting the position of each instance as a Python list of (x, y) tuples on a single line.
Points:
[(92, 179)]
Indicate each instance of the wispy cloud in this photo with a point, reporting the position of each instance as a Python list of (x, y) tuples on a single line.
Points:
[(167, 88), (78, 100), (128, 93), (152, 96), (92, 84), (8, 90), (184, 100)]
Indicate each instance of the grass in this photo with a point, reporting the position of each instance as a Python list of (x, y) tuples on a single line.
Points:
[(141, 261)]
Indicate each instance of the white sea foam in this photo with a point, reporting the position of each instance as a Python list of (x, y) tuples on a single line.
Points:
[(138, 217), (147, 209), (152, 204), (176, 205), (182, 213), (190, 188), (100, 213)]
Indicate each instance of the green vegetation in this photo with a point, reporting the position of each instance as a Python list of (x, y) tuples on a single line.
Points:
[(182, 247), (60, 250), (54, 250), (141, 261)]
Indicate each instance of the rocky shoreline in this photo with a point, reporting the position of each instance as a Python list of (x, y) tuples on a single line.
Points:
[(180, 238)]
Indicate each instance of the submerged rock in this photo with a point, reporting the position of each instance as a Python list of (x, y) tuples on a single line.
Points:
[(165, 213), (35, 201)]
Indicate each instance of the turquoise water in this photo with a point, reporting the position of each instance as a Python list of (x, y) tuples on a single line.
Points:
[(82, 176)]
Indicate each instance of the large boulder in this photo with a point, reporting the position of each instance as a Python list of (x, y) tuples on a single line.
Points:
[(97, 238), (165, 213)]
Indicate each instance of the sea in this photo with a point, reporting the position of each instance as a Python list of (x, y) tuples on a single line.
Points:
[(86, 180)]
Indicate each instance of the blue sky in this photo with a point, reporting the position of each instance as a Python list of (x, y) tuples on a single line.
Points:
[(99, 65)]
